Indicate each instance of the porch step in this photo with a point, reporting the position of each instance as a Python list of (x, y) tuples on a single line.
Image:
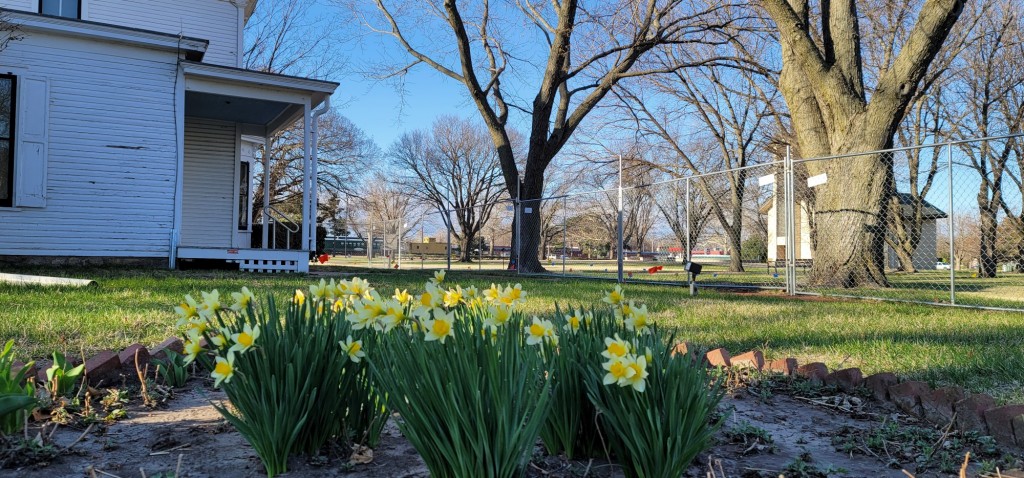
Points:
[(267, 265)]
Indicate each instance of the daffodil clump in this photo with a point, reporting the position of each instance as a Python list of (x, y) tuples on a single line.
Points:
[(465, 371), (654, 406), (307, 360)]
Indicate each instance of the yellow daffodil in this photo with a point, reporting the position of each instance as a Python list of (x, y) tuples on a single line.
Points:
[(453, 297), (210, 305), (403, 296), (192, 348), (319, 291), (513, 295), (245, 339), (637, 376), (492, 293), (224, 369), (573, 322), (497, 315), (366, 313), (187, 310), (220, 339), (242, 299), (615, 348), (394, 315), (338, 305), (588, 318), (354, 349), (299, 298), (539, 331), (638, 320), (470, 293), (440, 327), (341, 290), (432, 297), (359, 288), (438, 277), (618, 370), (613, 297)]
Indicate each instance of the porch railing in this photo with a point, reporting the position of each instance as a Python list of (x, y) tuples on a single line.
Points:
[(277, 217)]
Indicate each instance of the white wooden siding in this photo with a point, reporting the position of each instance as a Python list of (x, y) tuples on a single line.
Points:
[(217, 21), (209, 187), (23, 5), (111, 161)]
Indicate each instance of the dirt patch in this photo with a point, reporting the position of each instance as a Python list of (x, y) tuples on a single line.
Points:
[(764, 434)]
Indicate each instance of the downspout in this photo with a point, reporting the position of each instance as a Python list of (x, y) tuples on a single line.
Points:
[(314, 166)]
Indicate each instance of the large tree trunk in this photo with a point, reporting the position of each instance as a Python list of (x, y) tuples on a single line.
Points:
[(849, 219), (466, 248), (735, 249), (987, 254)]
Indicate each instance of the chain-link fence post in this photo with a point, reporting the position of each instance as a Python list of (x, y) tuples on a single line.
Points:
[(949, 224), (448, 213), (519, 222), (790, 205), (565, 231), (423, 240), (619, 234), (688, 219)]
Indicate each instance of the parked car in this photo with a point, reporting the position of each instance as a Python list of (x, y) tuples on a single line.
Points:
[(942, 266)]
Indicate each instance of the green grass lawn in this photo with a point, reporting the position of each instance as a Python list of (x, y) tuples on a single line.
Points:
[(980, 350)]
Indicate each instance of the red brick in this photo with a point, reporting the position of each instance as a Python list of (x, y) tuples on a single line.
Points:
[(719, 358), (815, 372), (879, 384), (970, 412), (938, 405), (103, 368), (29, 373), (173, 343), (786, 366), (752, 359), (847, 379), (907, 396), (1000, 421), (127, 359)]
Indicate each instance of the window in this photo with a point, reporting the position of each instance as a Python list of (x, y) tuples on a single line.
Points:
[(61, 8), (243, 196), (7, 95)]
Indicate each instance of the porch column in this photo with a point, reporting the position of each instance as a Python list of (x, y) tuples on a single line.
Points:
[(307, 220), (266, 190)]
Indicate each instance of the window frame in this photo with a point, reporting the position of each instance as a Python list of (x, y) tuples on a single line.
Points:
[(11, 140), (77, 17)]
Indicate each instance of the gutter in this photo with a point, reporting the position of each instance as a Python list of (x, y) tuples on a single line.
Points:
[(314, 184)]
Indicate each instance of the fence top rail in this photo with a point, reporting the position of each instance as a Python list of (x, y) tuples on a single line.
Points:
[(911, 148)]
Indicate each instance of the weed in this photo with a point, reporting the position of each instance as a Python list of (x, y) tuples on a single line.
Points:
[(173, 369), (62, 377)]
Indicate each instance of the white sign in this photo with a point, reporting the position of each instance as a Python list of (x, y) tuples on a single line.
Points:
[(766, 180), (527, 210), (817, 180)]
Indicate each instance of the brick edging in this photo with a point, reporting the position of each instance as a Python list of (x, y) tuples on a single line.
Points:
[(976, 412)]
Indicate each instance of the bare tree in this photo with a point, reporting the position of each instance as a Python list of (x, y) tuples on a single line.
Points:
[(731, 107), (991, 89), (834, 111), (589, 49), (344, 152), (389, 207), (285, 36), (455, 169)]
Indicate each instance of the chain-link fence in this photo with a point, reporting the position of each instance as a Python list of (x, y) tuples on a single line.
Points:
[(940, 224)]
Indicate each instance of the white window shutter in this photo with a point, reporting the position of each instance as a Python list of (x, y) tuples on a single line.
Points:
[(30, 149)]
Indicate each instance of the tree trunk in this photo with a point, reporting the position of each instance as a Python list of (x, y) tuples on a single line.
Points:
[(849, 220), (466, 248), (1020, 256), (904, 235), (735, 248), (987, 254)]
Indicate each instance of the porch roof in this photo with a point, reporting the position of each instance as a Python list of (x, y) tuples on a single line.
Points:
[(263, 102)]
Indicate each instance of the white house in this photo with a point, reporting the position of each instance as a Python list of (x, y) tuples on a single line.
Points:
[(924, 257), (127, 130)]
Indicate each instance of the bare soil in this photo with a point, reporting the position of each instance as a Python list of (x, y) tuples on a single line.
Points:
[(152, 442)]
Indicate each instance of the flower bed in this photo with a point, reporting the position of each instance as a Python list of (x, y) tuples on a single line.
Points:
[(473, 381)]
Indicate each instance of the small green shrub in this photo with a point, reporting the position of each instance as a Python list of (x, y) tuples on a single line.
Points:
[(61, 377), (17, 392)]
